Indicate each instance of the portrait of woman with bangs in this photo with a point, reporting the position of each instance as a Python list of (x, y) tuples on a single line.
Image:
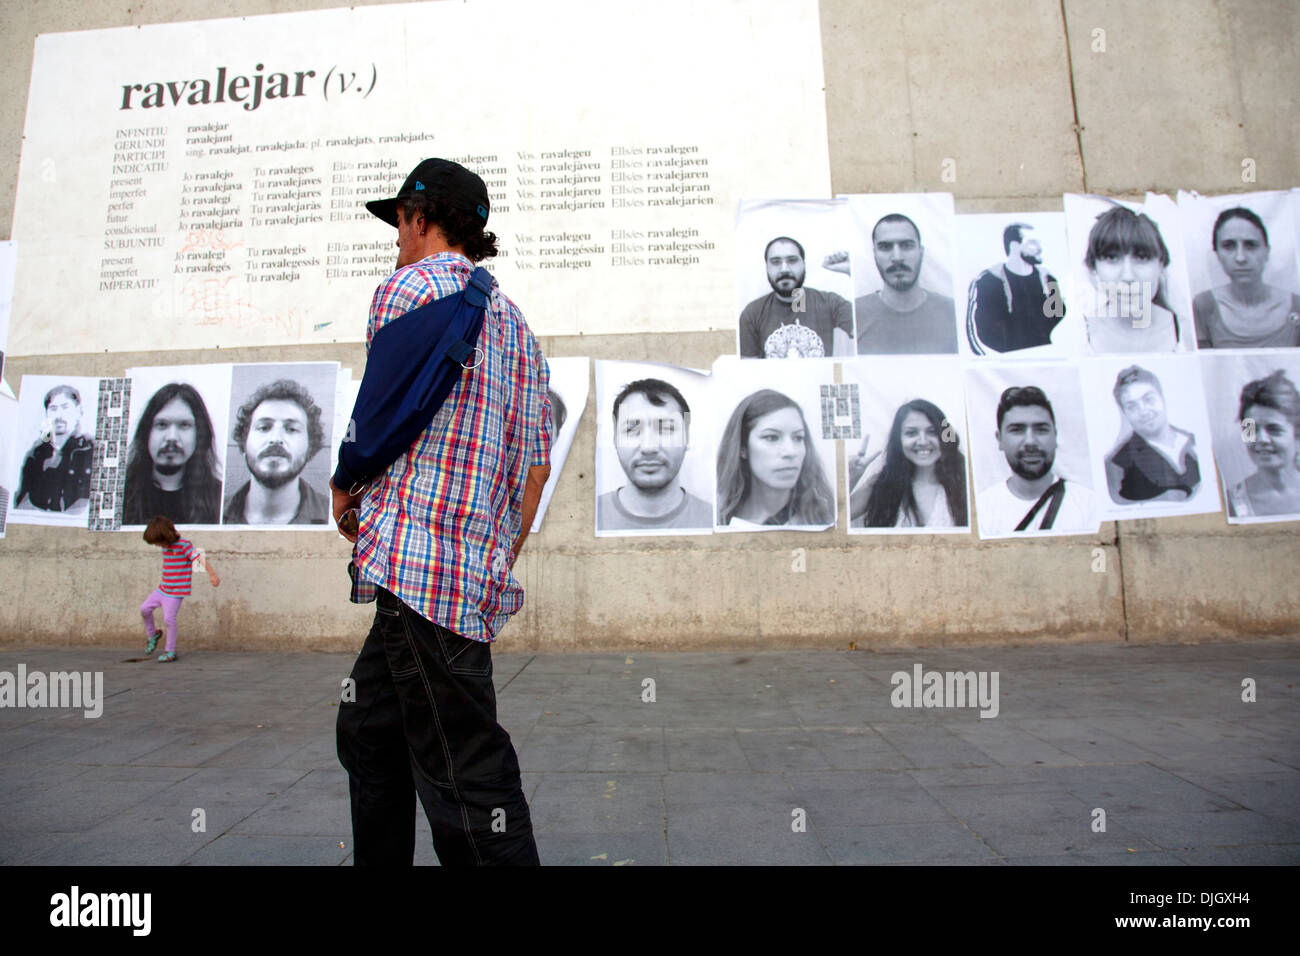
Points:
[(1127, 262)]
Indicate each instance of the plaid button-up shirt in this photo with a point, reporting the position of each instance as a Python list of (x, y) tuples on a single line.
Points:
[(437, 528)]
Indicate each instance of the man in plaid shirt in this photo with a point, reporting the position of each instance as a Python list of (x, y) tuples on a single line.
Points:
[(438, 534)]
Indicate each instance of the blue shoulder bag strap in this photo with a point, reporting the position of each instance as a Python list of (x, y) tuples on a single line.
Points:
[(414, 363)]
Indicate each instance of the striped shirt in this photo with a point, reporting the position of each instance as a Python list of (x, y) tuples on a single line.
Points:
[(438, 527), (178, 568)]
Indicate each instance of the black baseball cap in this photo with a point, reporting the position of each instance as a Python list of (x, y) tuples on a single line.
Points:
[(444, 180)]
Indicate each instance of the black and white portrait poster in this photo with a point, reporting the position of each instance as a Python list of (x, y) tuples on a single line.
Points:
[(570, 378), (1129, 274), (8, 434), (774, 470), (279, 451), (908, 474), (654, 449), (794, 279), (1030, 451), (1153, 455), (53, 454), (1241, 262), (903, 273), (177, 434), (1012, 281), (1254, 403)]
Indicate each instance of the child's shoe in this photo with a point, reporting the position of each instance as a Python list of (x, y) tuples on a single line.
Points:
[(166, 657), (152, 642)]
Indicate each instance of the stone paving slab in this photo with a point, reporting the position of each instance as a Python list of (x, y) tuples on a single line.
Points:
[(784, 757)]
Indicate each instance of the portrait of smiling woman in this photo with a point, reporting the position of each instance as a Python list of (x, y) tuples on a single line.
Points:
[(1269, 414), (769, 473), (1157, 462), (920, 482)]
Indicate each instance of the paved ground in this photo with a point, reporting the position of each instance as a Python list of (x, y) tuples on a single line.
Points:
[(714, 770)]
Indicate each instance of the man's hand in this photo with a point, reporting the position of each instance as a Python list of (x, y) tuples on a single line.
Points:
[(343, 502), (533, 485), (837, 262)]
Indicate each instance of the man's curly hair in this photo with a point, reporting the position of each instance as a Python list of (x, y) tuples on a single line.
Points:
[(283, 390)]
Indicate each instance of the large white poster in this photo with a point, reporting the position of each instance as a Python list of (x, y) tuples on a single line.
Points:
[(199, 184)]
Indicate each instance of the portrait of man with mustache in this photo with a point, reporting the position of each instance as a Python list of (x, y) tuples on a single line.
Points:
[(279, 431), (56, 473), (651, 435), (795, 320), (1035, 497), (172, 467), (903, 317)]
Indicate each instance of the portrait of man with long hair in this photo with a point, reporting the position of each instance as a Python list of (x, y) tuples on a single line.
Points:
[(173, 468)]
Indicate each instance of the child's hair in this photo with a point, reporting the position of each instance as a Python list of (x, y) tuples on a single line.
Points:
[(161, 531)]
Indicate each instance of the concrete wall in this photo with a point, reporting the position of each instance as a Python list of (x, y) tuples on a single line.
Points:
[(1021, 96)]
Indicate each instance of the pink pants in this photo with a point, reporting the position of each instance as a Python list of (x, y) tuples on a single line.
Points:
[(171, 607)]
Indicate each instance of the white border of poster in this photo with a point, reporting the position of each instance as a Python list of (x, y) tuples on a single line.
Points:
[(824, 230), (33, 425), (571, 381), (8, 437), (985, 382), (345, 400), (734, 382), (212, 382), (977, 244), (1225, 375), (695, 474), (885, 385), (1183, 399), (8, 264)]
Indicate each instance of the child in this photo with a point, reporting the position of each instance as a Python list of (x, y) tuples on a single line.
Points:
[(178, 558)]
